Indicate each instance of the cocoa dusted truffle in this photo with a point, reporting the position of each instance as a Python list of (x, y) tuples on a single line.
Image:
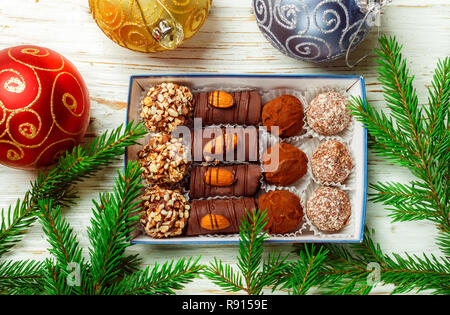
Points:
[(167, 106), (164, 212), (328, 114), (331, 162), (284, 164), (164, 160), (286, 113), (284, 211), (329, 209)]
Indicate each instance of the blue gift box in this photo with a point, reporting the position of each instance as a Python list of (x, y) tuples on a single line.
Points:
[(353, 85)]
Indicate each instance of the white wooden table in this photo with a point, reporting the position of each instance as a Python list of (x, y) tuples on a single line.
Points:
[(229, 42)]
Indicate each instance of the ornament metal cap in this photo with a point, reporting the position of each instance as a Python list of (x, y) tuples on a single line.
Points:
[(167, 31)]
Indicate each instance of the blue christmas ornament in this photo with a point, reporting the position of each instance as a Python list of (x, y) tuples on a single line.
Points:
[(316, 30)]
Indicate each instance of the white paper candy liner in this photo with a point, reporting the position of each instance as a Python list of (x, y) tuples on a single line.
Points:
[(303, 226), (351, 179), (309, 95), (348, 231)]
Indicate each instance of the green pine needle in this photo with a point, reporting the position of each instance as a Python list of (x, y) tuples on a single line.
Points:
[(84, 161), (21, 277), (112, 225), (415, 137), (351, 269), (305, 273), (161, 280), (254, 274)]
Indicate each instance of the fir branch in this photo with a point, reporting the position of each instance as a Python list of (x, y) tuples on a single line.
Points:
[(348, 270), (64, 244), (414, 137), (21, 277), (251, 246), (159, 279), (112, 224), (305, 273), (410, 202), (55, 279), (224, 276), (57, 185)]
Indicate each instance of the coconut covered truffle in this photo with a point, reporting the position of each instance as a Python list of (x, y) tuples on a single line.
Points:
[(329, 209), (164, 212), (331, 162), (167, 106), (164, 160), (284, 211), (283, 164), (328, 114), (286, 113)]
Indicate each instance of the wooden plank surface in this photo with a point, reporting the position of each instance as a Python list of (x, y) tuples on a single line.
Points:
[(229, 42)]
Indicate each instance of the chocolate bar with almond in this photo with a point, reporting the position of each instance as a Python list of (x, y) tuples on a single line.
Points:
[(218, 216), (230, 180), (220, 144), (219, 107)]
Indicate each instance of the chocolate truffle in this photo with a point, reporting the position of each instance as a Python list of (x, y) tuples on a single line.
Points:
[(284, 164), (216, 144), (331, 162), (328, 114), (285, 112), (284, 211), (167, 106), (164, 212), (230, 180), (328, 209), (219, 107), (164, 160), (218, 216)]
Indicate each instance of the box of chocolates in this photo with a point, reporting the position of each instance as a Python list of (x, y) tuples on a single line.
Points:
[(221, 145)]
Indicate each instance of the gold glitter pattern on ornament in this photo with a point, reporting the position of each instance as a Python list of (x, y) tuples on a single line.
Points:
[(13, 155), (28, 130), (69, 101), (150, 25), (14, 85), (22, 127), (16, 56)]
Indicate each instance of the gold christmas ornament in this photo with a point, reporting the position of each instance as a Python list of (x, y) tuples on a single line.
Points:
[(150, 25)]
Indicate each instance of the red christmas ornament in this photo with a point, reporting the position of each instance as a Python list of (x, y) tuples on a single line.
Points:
[(44, 106)]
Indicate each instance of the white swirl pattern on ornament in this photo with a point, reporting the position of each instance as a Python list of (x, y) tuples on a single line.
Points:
[(309, 29)]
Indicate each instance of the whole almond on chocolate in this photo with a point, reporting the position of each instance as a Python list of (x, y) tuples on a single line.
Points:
[(220, 99), (214, 222), (219, 177), (220, 145)]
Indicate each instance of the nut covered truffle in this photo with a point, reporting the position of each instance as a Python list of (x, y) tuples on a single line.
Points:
[(328, 209), (164, 212), (285, 112), (284, 211), (331, 162), (164, 160), (328, 114), (284, 164), (167, 106)]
